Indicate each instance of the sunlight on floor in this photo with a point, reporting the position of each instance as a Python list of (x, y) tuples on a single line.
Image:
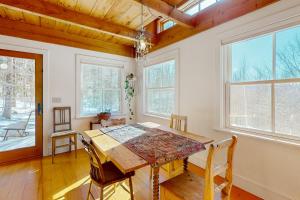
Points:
[(60, 194), (121, 191)]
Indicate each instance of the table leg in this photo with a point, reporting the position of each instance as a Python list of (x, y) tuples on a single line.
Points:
[(185, 164), (155, 183)]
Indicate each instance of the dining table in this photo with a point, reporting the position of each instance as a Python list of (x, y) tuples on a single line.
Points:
[(134, 146)]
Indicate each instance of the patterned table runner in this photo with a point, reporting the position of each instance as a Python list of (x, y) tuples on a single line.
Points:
[(154, 145)]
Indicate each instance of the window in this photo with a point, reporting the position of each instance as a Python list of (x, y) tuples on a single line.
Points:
[(263, 84), (160, 88), (201, 5), (99, 89), (166, 24)]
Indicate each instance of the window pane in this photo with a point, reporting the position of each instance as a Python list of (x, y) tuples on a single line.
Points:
[(91, 96), (288, 53), (111, 100), (168, 24), (287, 111), (161, 88), (161, 101), (193, 10), (206, 3), (100, 89), (168, 74), (252, 59), (153, 101), (110, 77), (250, 106), (167, 99), (154, 76)]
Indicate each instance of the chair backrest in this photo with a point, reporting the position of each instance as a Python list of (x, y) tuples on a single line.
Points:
[(211, 170), (96, 170), (62, 119), (178, 122)]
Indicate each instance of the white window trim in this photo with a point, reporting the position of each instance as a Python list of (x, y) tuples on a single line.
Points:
[(157, 59), (225, 72), (123, 65)]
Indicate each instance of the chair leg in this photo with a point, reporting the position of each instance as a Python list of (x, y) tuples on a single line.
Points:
[(131, 189), (75, 143), (70, 144), (5, 135), (88, 196), (53, 149), (101, 193), (20, 133)]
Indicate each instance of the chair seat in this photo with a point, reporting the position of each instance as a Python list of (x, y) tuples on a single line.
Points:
[(62, 133), (187, 186), (16, 126), (111, 172)]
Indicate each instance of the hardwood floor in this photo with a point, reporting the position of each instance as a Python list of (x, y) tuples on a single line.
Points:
[(68, 178)]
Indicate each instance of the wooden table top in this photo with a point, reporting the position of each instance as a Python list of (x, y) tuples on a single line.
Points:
[(121, 156)]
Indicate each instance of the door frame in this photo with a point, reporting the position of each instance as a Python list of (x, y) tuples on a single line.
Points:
[(37, 150)]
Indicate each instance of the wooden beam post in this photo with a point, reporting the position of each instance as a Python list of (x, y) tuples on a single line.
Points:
[(168, 11)]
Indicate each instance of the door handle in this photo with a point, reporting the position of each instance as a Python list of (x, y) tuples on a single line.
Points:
[(40, 109)]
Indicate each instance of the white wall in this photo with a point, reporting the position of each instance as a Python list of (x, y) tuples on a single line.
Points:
[(58, 77), (266, 168)]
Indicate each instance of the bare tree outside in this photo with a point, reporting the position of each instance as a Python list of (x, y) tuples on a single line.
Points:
[(250, 105), (17, 99), (288, 59)]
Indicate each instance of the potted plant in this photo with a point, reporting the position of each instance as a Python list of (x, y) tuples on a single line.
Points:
[(104, 115), (129, 91)]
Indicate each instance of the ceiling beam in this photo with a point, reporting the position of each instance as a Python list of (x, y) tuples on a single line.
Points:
[(167, 10), (224, 11), (213, 16), (58, 13), (33, 32)]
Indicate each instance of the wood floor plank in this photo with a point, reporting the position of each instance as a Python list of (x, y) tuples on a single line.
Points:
[(68, 178)]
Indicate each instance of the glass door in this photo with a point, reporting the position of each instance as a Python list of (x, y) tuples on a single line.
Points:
[(20, 105)]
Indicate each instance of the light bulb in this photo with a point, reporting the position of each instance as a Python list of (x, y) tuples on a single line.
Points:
[(142, 44)]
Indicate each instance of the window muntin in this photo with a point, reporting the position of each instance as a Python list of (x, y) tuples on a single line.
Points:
[(100, 89), (160, 88), (263, 84)]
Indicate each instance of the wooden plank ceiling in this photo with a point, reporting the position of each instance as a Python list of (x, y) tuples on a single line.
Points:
[(111, 25)]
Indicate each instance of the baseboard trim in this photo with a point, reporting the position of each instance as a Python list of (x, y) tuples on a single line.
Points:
[(249, 185), (258, 189)]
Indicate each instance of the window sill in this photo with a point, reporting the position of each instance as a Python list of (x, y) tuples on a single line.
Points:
[(156, 116), (270, 138), (113, 115)]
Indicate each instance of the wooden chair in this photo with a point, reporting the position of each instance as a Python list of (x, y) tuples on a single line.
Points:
[(20, 127), (104, 174), (62, 128), (192, 187), (179, 123)]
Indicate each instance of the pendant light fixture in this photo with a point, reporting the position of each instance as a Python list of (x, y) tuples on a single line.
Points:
[(142, 45)]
